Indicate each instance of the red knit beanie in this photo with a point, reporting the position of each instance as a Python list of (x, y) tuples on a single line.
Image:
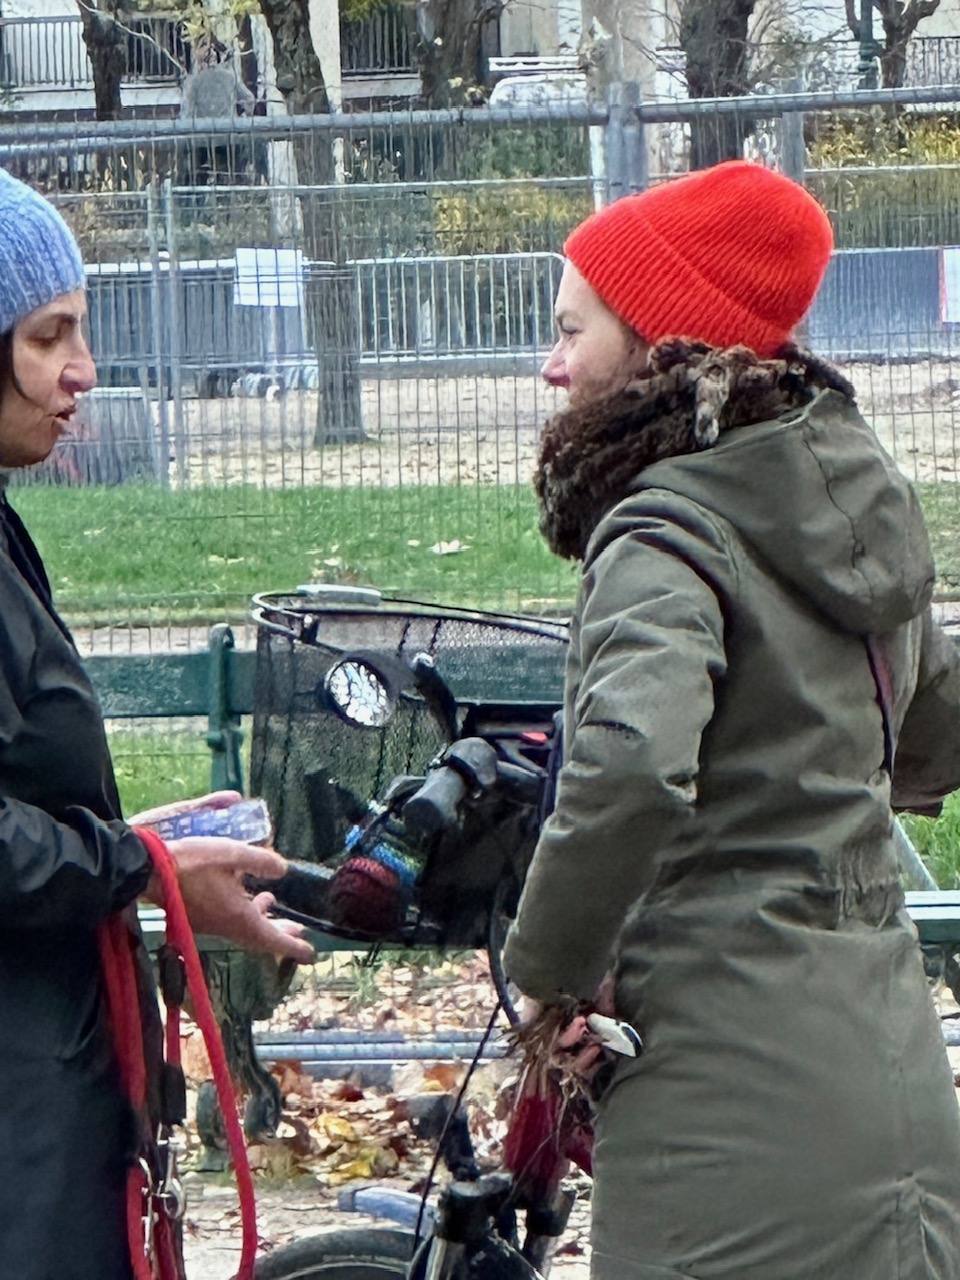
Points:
[(728, 255)]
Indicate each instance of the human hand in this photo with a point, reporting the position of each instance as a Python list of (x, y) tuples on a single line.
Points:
[(215, 800), (576, 1037), (210, 871), (558, 1037)]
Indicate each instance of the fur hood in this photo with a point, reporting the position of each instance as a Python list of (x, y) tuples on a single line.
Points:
[(590, 457)]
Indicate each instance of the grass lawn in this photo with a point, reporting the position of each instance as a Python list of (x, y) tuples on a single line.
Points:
[(146, 554), (156, 764), (138, 553), (941, 506), (938, 842)]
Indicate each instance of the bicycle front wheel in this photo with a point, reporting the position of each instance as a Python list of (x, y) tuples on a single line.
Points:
[(362, 1253)]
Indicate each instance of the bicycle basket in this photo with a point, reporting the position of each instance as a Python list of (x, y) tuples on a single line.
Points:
[(319, 773)]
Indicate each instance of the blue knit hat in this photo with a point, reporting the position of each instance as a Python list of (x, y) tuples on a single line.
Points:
[(39, 258)]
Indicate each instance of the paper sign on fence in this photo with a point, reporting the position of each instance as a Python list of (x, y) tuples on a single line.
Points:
[(268, 278), (950, 285)]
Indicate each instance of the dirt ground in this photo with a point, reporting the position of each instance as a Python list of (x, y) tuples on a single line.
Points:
[(340, 1135), (295, 1210), (485, 429)]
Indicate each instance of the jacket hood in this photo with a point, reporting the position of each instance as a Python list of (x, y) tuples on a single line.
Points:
[(819, 500), (777, 448)]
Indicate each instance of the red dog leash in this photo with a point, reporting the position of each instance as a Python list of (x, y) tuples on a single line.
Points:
[(154, 1204)]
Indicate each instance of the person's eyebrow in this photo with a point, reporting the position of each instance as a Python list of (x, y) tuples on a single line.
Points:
[(565, 313), (60, 314)]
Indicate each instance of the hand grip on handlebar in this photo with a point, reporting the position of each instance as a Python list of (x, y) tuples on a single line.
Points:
[(467, 766), (435, 805)]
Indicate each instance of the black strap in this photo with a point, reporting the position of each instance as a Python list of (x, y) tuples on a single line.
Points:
[(172, 980)]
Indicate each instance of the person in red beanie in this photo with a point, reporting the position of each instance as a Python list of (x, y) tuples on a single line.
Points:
[(754, 685)]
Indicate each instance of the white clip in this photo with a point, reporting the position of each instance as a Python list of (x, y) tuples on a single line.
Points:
[(615, 1035)]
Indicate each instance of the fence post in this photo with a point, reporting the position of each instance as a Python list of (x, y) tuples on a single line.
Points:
[(614, 159), (792, 144), (635, 168), (625, 145), (156, 307), (175, 300)]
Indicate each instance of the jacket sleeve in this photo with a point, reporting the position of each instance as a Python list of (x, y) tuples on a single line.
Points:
[(648, 636), (60, 863), (927, 762), (77, 869)]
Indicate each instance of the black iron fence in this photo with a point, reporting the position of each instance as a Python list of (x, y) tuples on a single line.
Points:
[(381, 43)]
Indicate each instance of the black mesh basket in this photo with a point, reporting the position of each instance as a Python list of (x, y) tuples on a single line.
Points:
[(319, 773)]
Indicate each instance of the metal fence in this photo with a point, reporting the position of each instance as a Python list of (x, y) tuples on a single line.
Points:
[(319, 338)]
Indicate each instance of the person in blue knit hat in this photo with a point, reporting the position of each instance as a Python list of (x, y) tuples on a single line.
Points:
[(70, 867)]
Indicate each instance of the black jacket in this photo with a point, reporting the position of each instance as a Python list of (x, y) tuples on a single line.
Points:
[(67, 862)]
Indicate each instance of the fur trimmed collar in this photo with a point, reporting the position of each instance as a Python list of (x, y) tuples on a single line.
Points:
[(590, 456)]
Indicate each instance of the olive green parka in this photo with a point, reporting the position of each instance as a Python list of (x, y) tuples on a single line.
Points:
[(756, 583)]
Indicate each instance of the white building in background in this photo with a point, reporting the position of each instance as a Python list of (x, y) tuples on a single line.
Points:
[(45, 72)]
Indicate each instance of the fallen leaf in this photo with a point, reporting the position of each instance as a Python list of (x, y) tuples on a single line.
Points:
[(445, 1075), (337, 1129), (347, 1092), (361, 1168)]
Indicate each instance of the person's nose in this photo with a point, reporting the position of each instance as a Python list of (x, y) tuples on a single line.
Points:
[(553, 370), (80, 372)]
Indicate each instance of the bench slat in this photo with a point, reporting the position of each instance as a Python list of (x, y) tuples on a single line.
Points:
[(170, 684)]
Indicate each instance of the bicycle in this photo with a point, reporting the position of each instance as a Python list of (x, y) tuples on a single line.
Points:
[(362, 698)]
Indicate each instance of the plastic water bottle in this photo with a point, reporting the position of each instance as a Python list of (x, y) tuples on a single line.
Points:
[(247, 820)]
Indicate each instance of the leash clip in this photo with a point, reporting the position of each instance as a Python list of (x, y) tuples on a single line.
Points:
[(148, 1217), (169, 1198)]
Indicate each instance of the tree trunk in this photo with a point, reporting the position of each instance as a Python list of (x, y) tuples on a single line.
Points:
[(451, 48), (713, 35), (900, 21), (331, 299), (107, 50), (249, 70)]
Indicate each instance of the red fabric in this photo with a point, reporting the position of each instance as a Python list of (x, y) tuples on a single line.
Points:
[(180, 937), (729, 255), (547, 1131), (119, 973), (119, 978), (364, 895)]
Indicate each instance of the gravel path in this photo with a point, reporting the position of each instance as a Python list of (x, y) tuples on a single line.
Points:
[(297, 1210)]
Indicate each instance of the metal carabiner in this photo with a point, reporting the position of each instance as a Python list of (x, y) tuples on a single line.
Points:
[(148, 1218), (169, 1198)]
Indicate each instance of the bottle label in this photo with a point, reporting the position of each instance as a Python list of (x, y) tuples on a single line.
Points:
[(247, 820)]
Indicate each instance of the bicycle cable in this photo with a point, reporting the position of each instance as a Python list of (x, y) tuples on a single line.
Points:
[(437, 1155)]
